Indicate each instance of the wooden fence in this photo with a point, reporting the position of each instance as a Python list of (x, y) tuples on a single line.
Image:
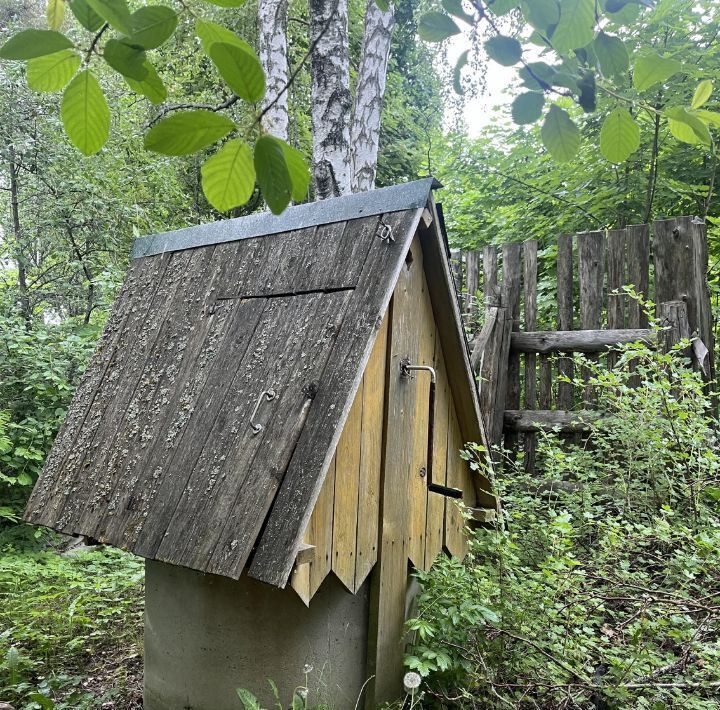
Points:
[(520, 392)]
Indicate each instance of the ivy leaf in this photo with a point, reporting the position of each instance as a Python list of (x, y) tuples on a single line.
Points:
[(298, 171), (619, 136), (680, 120), (126, 59), (85, 15), (34, 43), (652, 69), (612, 55), (455, 8), (151, 87), (702, 94), (228, 177), (241, 70), (210, 33), (186, 132), (272, 173), (576, 27), (85, 113), (437, 26), (560, 135), (504, 50), (153, 25), (115, 13), (55, 13), (527, 108), (457, 73), (53, 72), (542, 14)]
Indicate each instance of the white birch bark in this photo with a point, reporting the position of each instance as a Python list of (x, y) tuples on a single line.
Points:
[(331, 100), (369, 96), (272, 52)]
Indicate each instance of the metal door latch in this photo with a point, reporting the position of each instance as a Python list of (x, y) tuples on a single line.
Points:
[(385, 233), (405, 370), (269, 396)]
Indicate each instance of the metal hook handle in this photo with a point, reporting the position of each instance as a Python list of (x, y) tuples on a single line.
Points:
[(269, 396), (406, 368)]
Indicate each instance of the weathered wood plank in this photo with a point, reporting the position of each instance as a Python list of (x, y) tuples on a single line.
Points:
[(578, 341), (616, 299), (347, 485), (674, 318), (511, 301), (548, 420), (288, 517), (565, 291), (472, 281), (591, 275), (374, 386), (321, 531), (455, 539), (638, 270), (530, 277), (54, 483), (491, 292)]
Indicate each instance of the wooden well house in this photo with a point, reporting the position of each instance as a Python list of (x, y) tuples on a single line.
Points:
[(273, 419)]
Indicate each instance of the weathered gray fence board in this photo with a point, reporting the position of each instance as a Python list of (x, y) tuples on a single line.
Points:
[(512, 271), (491, 292), (615, 281), (530, 271), (565, 296), (577, 341), (591, 276)]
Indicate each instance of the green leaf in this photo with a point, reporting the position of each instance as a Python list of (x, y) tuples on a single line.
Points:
[(612, 55), (384, 5), (228, 177), (560, 135), (587, 98), (542, 14), (85, 113), (55, 13), (43, 701), (702, 94), (537, 75), (186, 132), (437, 26), (502, 7), (455, 8), (709, 117), (153, 25), (241, 70), (227, 3), (457, 73), (151, 86), (53, 72), (210, 33), (125, 59), (687, 127), (576, 27), (85, 15), (34, 43), (527, 108), (272, 173), (297, 702), (652, 69), (504, 50), (619, 136), (298, 171), (249, 701), (115, 13)]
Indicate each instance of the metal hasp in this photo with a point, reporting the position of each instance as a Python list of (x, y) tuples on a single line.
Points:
[(406, 368), (269, 396)]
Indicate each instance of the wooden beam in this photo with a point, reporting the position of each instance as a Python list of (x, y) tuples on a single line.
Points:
[(578, 341), (305, 554), (548, 420)]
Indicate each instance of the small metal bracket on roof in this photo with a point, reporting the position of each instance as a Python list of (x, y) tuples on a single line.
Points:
[(269, 396), (385, 232)]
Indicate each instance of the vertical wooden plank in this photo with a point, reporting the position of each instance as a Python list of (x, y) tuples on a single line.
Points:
[(564, 322), (638, 271), (321, 532), (591, 270), (300, 578), (435, 527), (530, 275), (347, 486), (616, 239), (490, 277), (371, 457), (455, 541), (472, 280), (511, 301)]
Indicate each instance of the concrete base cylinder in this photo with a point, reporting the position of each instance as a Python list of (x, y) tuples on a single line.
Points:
[(205, 636)]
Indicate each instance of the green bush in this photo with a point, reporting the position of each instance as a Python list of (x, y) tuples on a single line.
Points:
[(601, 589)]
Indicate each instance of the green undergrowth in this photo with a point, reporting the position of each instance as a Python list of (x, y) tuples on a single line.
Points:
[(70, 625)]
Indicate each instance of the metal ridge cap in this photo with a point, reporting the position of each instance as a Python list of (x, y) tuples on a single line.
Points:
[(405, 196)]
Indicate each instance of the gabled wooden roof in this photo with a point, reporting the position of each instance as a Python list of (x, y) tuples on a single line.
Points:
[(203, 427)]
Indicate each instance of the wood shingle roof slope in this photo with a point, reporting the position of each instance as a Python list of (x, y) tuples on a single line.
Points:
[(158, 453)]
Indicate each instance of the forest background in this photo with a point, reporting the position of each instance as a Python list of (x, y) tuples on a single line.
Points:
[(67, 223)]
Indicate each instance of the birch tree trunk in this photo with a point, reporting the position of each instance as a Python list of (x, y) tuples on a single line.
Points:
[(272, 52), (369, 96), (331, 99)]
